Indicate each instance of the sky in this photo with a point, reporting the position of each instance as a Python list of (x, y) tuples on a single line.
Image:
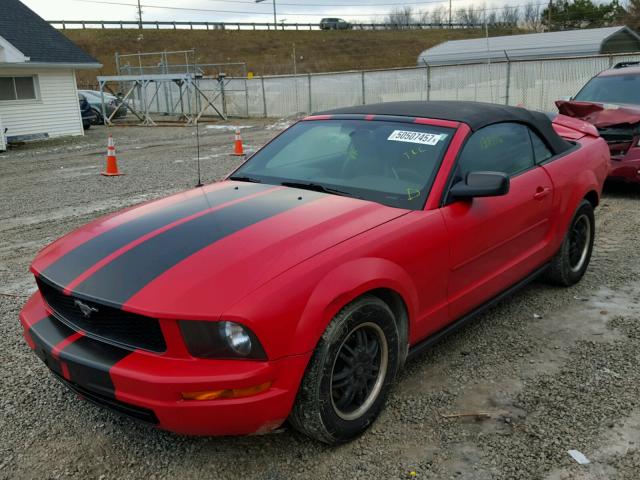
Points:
[(291, 11)]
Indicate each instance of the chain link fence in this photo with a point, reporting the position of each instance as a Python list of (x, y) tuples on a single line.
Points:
[(533, 84)]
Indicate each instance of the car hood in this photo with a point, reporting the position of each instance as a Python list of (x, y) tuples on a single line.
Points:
[(600, 115), (195, 254)]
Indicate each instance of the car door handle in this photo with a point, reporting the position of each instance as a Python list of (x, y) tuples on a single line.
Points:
[(541, 192)]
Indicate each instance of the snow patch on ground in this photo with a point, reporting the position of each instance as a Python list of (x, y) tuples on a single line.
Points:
[(230, 128), (279, 125)]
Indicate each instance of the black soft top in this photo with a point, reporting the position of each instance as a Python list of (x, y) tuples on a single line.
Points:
[(475, 114)]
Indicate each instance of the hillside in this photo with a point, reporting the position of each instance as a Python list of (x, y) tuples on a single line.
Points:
[(269, 52)]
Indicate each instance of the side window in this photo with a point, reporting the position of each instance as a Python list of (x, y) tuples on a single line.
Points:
[(503, 147), (540, 150)]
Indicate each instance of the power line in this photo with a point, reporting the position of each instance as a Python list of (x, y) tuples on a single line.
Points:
[(565, 15), (164, 7), (191, 9), (400, 4)]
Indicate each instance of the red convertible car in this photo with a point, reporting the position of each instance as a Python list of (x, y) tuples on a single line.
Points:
[(297, 288)]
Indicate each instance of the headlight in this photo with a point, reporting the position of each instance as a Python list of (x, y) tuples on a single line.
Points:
[(236, 337), (207, 339)]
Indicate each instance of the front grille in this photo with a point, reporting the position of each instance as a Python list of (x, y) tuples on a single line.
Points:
[(103, 323), (133, 411), (619, 139)]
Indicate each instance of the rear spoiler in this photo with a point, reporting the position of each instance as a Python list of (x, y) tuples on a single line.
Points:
[(573, 128)]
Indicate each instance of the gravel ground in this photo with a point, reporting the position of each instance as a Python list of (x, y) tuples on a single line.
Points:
[(552, 369)]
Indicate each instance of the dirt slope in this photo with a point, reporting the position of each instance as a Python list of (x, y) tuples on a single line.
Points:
[(269, 52)]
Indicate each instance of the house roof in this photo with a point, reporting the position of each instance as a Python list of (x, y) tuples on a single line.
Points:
[(523, 47), (475, 114), (38, 40)]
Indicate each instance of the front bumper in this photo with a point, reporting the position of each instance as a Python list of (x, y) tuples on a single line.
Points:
[(148, 386)]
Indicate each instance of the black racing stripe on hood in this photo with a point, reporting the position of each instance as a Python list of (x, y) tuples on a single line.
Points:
[(126, 275), (88, 361), (83, 257)]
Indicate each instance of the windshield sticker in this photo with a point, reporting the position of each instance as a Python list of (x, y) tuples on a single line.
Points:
[(412, 193), (417, 137), (490, 142), (414, 152)]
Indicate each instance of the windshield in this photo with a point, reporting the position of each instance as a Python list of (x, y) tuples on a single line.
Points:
[(96, 95), (392, 163), (614, 89)]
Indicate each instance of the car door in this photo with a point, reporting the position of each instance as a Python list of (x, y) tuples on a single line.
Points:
[(496, 241)]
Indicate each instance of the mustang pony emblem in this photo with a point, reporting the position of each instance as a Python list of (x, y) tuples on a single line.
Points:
[(86, 310)]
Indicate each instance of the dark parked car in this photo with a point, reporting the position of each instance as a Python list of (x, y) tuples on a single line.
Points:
[(88, 116), (335, 24), (111, 104)]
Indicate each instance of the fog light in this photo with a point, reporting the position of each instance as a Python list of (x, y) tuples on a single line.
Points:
[(228, 393)]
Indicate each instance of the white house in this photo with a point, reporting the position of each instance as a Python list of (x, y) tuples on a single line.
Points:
[(38, 94)]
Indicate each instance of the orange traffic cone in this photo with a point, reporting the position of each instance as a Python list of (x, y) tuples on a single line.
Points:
[(238, 149), (112, 161)]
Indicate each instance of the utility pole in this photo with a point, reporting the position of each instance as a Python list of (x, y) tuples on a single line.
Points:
[(549, 16), (449, 13), (275, 17), (139, 15)]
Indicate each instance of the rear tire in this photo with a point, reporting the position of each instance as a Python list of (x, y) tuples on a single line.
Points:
[(350, 374), (571, 262)]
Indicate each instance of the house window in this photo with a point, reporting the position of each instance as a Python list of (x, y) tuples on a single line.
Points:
[(18, 88)]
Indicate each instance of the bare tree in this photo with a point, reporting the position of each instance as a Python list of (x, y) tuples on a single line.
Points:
[(439, 15), (510, 15), (633, 18), (532, 17), (469, 16), (401, 17), (491, 18)]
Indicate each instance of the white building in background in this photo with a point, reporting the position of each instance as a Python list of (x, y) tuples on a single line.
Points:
[(533, 46), (38, 94)]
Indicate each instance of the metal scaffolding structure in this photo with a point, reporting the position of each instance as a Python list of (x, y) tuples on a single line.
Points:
[(182, 95), (173, 83), (180, 61)]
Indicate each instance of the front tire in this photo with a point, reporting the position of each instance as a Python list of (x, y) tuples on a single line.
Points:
[(571, 262), (98, 117), (350, 374)]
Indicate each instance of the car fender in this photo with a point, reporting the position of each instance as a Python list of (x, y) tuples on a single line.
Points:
[(346, 283), (573, 181)]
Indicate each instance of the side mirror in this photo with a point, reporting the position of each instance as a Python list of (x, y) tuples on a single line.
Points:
[(481, 184)]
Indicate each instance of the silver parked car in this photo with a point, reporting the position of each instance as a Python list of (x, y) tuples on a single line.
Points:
[(111, 104)]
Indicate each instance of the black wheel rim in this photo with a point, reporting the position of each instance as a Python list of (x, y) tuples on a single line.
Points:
[(579, 240), (359, 371)]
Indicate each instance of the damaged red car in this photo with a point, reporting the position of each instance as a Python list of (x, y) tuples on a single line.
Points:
[(297, 288), (611, 102)]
